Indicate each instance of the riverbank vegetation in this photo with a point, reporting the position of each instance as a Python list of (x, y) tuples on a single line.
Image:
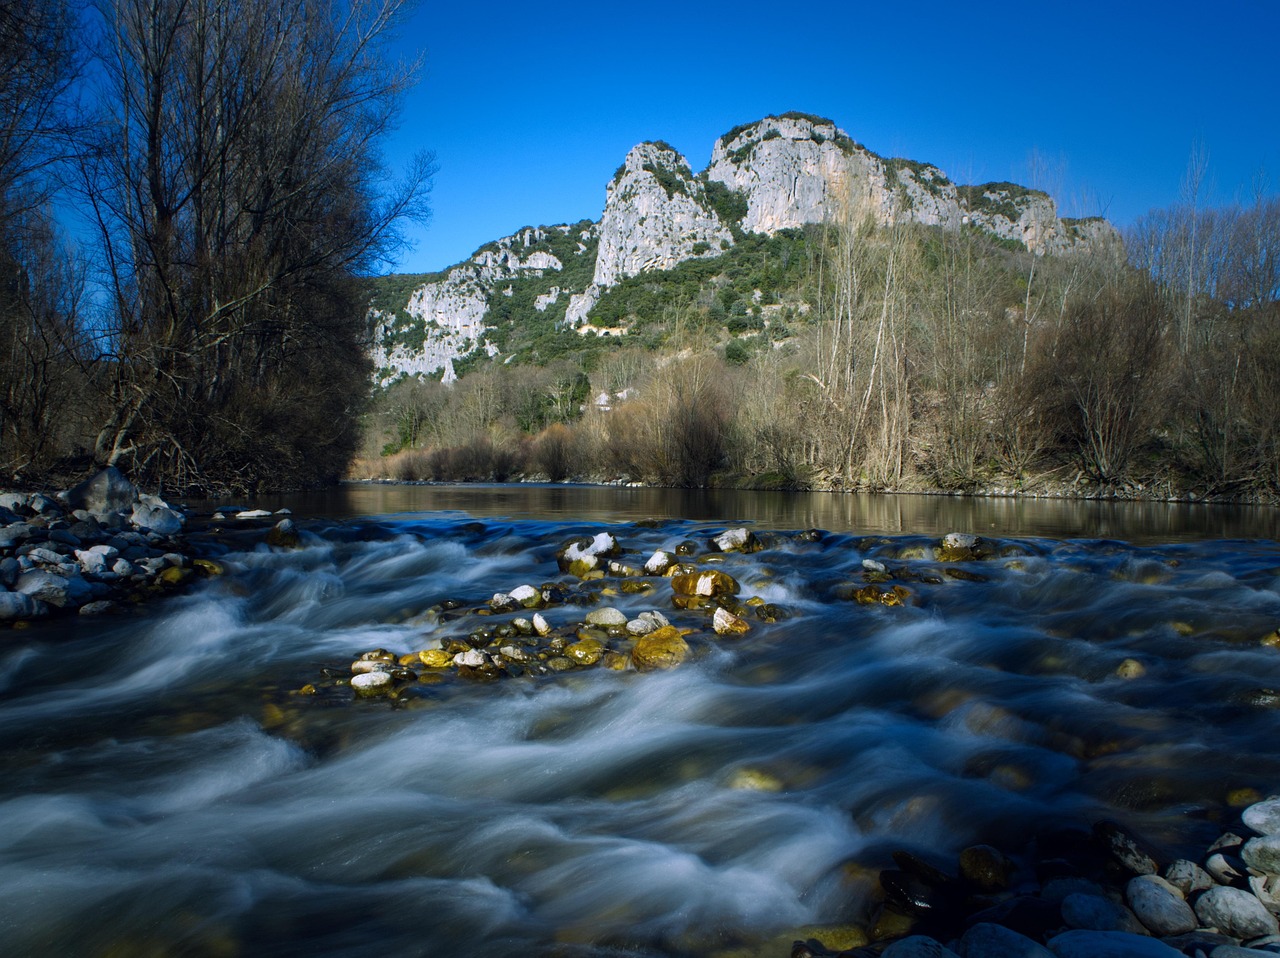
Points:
[(206, 331), (853, 357)]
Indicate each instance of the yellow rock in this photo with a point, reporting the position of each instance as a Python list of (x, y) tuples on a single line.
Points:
[(585, 652), (664, 648), (174, 575), (1131, 669), (616, 661), (272, 715), (1243, 797), (891, 924), (410, 658), (1272, 638), (209, 567), (712, 582), (307, 689), (755, 780), (435, 658), (726, 623)]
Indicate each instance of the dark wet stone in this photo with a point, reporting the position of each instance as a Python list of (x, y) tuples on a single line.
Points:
[(1200, 940), (964, 575), (986, 940), (1126, 849), (1097, 913), (1160, 905), (918, 946), (986, 867), (107, 491), (1027, 915), (1109, 944)]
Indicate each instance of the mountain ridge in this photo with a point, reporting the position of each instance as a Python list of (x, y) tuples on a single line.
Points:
[(778, 173)]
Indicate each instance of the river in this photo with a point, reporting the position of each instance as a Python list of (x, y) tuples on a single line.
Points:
[(168, 791)]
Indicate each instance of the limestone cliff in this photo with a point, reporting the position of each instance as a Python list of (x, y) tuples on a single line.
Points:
[(778, 173), (446, 319)]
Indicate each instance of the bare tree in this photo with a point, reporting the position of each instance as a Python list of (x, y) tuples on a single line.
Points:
[(236, 187)]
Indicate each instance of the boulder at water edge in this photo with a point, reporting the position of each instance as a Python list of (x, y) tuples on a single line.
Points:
[(107, 492)]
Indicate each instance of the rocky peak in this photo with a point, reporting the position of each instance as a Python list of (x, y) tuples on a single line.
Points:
[(791, 169), (656, 215)]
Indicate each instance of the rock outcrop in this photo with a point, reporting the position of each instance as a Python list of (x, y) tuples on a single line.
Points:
[(446, 319), (782, 172)]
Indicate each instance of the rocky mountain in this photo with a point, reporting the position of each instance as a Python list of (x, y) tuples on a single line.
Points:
[(778, 173)]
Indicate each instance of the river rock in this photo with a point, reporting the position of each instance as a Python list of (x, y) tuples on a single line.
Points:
[(1226, 869), (1235, 912), (56, 590), (737, 540), (726, 623), (1263, 817), (587, 554), (585, 651), (42, 505), (106, 492), (1187, 877), (1266, 888), (371, 683), (1109, 944), (14, 502), (1159, 905), (541, 625), (97, 560), (1127, 849), (1096, 913), (527, 597), (17, 605), (154, 516), (607, 617), (283, 535), (710, 583), (986, 867), (659, 563), (1235, 951), (918, 946), (1263, 854), (985, 940), (471, 658), (664, 648)]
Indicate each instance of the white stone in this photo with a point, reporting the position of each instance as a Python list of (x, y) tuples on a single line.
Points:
[(371, 682), (525, 594), (540, 624), (606, 617), (471, 657)]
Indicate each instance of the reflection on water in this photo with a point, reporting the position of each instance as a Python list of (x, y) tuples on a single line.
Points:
[(862, 512), (166, 793)]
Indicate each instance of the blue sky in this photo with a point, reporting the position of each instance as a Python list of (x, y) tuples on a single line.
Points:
[(531, 107)]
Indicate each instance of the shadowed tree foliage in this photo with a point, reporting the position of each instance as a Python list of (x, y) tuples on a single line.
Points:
[(40, 281), (236, 187)]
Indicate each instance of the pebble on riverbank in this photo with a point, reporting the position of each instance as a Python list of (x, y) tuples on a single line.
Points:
[(91, 549), (1109, 897)]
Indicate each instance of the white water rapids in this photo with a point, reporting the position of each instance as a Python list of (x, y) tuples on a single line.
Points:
[(164, 793)]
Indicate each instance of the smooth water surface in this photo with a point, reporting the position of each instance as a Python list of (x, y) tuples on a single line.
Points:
[(166, 792)]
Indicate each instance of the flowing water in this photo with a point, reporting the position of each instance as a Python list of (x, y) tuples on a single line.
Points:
[(167, 792)]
